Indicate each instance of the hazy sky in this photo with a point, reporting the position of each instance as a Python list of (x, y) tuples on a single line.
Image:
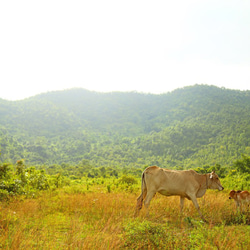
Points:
[(144, 46)]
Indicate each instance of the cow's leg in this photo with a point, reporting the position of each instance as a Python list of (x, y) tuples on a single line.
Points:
[(241, 205), (139, 203), (141, 198), (182, 199), (238, 208), (149, 197), (195, 202)]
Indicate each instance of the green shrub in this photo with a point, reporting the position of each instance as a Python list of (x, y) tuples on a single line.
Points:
[(237, 219), (4, 195), (127, 179), (75, 189), (141, 235)]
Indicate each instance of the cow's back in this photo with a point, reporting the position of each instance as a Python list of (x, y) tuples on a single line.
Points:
[(171, 182), (245, 196)]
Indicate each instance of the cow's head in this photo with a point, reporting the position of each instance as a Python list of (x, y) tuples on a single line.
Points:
[(215, 181), (232, 194)]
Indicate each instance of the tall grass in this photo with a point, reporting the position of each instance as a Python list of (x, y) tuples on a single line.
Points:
[(77, 218)]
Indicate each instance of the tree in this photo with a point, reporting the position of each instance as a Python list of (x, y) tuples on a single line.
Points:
[(243, 165)]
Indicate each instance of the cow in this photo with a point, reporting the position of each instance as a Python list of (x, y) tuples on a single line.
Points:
[(240, 197), (184, 183)]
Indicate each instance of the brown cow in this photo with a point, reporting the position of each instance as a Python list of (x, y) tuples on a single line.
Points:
[(186, 184), (240, 197)]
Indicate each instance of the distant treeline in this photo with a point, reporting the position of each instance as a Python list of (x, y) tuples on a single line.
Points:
[(20, 180)]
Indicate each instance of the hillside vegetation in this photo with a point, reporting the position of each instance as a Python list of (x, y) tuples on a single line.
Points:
[(190, 127)]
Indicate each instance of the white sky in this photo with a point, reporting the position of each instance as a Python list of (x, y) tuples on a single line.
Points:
[(144, 46)]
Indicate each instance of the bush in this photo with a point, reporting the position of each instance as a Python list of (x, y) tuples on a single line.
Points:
[(140, 235), (127, 179), (4, 195), (237, 219), (75, 189), (26, 181), (236, 181)]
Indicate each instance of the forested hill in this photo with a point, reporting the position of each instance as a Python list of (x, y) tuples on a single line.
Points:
[(194, 126)]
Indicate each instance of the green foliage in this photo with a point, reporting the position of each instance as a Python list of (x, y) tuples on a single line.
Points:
[(237, 181), (127, 183), (4, 170), (4, 194), (74, 189), (27, 181), (238, 178), (20, 180), (140, 235), (189, 128), (129, 180), (221, 171), (237, 219), (243, 165)]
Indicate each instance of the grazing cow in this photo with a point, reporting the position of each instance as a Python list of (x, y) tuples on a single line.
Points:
[(240, 197), (184, 183)]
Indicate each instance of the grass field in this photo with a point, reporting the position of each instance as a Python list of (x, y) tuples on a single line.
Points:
[(80, 217)]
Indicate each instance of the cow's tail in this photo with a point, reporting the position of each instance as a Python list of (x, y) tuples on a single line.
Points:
[(142, 195)]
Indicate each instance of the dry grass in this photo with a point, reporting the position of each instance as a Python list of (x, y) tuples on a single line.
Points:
[(104, 220)]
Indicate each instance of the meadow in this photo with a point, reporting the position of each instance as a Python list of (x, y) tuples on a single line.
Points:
[(101, 215)]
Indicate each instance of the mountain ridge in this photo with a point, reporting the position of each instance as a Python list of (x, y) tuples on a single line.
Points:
[(187, 126)]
